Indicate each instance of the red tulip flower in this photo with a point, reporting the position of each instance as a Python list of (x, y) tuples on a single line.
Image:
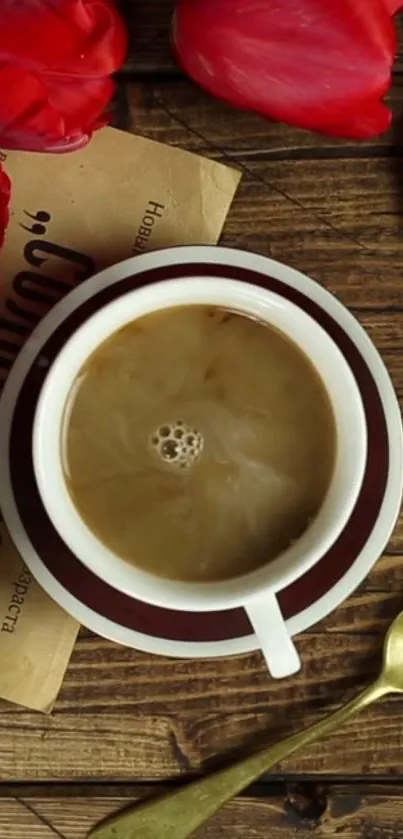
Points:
[(56, 59), (323, 65)]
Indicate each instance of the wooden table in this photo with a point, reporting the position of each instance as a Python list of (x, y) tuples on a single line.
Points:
[(126, 722)]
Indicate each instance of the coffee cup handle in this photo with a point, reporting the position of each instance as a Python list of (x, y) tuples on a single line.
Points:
[(277, 647)]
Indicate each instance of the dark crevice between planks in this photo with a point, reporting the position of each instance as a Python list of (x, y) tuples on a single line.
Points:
[(268, 786), (160, 78), (377, 310)]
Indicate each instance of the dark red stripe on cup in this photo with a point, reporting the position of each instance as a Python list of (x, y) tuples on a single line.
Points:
[(165, 623)]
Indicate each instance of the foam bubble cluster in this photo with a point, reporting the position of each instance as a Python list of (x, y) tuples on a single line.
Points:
[(177, 444)]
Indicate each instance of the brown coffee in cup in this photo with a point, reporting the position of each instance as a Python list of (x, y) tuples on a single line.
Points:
[(198, 443)]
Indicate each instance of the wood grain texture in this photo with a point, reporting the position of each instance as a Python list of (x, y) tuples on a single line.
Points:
[(127, 716), (335, 210), (348, 812)]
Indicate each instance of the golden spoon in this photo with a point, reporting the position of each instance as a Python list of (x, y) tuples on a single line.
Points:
[(179, 814)]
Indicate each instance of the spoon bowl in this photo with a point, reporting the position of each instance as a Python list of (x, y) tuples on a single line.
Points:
[(392, 670)]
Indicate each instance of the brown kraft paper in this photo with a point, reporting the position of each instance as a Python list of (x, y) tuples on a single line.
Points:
[(72, 215)]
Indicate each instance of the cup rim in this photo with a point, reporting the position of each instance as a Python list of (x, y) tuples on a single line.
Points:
[(129, 578)]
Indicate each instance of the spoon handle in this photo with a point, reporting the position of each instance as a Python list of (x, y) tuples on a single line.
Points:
[(179, 814)]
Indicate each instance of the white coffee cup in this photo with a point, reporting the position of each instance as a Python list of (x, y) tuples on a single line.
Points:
[(255, 591)]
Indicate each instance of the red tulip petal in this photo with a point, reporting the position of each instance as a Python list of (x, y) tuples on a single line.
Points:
[(393, 6), (59, 117), (56, 57), (5, 191), (369, 120), (310, 63), (85, 37), (27, 120), (81, 104)]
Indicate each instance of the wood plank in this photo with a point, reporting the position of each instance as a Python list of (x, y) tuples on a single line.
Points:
[(19, 822), (125, 715), (337, 219), (387, 575), (361, 811), (333, 209), (149, 27)]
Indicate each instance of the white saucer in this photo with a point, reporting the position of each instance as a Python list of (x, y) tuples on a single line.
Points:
[(147, 628)]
